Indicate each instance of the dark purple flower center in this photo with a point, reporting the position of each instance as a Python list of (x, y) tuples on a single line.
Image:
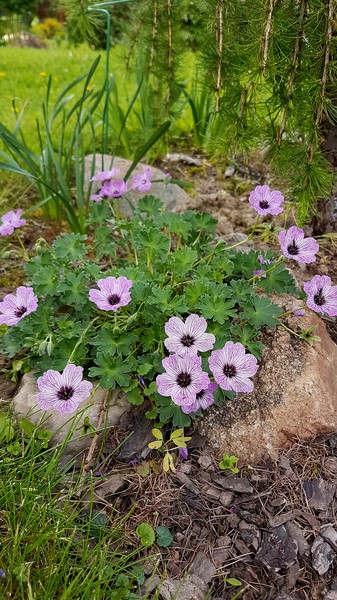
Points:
[(293, 249), (200, 394), (264, 204), (187, 340), (184, 379), (65, 392), (114, 299), (319, 298), (20, 311), (229, 370)]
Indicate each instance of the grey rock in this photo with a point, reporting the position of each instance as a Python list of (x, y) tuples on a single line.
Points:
[(296, 533), (330, 465), (185, 158), (149, 585), (137, 443), (332, 595), (322, 556), (221, 551), (329, 533), (286, 595), (187, 482), (205, 461), (70, 427), (226, 498), (250, 534), (320, 493), (173, 193), (292, 575), (229, 172), (203, 567), (212, 492), (171, 589), (278, 549), (239, 485)]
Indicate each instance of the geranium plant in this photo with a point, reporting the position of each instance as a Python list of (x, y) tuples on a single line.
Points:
[(154, 304)]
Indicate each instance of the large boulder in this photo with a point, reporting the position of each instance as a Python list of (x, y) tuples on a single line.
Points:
[(172, 194), (69, 427), (294, 396)]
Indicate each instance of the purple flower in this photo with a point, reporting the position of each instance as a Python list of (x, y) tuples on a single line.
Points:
[(2, 574), (321, 295), (188, 337), (298, 311), (295, 246), (183, 379), (113, 189), (263, 261), (266, 201), (142, 182), (10, 221), (113, 293), (96, 197), (232, 367), (204, 399), (259, 272), (63, 391), (183, 453), (105, 175), (16, 307)]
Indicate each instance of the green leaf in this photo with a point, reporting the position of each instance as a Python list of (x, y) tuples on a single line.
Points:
[(70, 246), (164, 536), (45, 280), (278, 280), (98, 524), (216, 308), (181, 261), (146, 534), (260, 311), (135, 397), (234, 582), (144, 149), (111, 371), (74, 288), (110, 343), (150, 205), (144, 369)]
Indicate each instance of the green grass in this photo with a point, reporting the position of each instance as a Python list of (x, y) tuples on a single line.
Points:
[(50, 548)]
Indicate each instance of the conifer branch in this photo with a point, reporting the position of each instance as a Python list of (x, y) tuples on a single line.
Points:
[(154, 34), (219, 45), (134, 37), (169, 53), (294, 66), (326, 60), (266, 36)]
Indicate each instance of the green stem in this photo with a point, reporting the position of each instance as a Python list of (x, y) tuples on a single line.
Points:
[(25, 253), (79, 341), (290, 330), (276, 264)]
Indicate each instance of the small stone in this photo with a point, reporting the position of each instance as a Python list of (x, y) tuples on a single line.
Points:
[(330, 465), (329, 534), (239, 485), (203, 567), (205, 461), (320, 493), (332, 595), (221, 550), (137, 441), (180, 157), (278, 550), (230, 170), (322, 556), (185, 467), (296, 533), (276, 502), (212, 492), (292, 575), (226, 498), (233, 520), (149, 585), (285, 465), (250, 534), (283, 518), (242, 547), (109, 487), (187, 483)]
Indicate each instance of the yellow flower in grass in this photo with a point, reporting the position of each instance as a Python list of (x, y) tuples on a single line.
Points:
[(2, 74), (43, 73)]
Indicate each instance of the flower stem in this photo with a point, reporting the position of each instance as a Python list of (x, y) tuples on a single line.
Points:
[(80, 339), (25, 253)]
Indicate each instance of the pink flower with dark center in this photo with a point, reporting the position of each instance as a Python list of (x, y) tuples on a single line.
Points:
[(142, 182), (266, 201), (294, 245), (64, 391), (183, 380), (204, 399), (15, 307), (113, 189), (96, 197), (10, 221), (263, 261), (105, 175), (114, 293), (232, 367), (188, 337), (321, 295)]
